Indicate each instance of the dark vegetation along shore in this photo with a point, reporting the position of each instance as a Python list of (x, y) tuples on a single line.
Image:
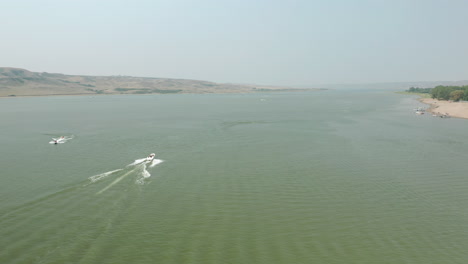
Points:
[(441, 92), (444, 101), (20, 82)]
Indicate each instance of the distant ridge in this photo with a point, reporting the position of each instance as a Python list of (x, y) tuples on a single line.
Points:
[(21, 82)]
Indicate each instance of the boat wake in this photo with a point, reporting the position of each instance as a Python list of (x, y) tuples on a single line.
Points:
[(138, 168), (101, 176), (60, 140), (90, 209)]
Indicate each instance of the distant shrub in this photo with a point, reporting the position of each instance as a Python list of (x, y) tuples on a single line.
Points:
[(96, 91), (146, 90), (17, 72), (165, 91), (455, 93), (123, 89), (86, 85), (419, 90)]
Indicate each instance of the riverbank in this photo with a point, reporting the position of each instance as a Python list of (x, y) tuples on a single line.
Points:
[(453, 109), (20, 82)]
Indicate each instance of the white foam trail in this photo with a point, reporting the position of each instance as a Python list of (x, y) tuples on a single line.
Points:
[(155, 162), (140, 181), (145, 173), (152, 163), (115, 182), (58, 142), (138, 161), (98, 177), (61, 140), (140, 166)]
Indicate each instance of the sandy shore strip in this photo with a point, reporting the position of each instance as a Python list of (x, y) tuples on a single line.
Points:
[(453, 109)]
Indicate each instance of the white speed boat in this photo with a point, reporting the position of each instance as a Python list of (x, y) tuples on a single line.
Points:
[(57, 140), (150, 158)]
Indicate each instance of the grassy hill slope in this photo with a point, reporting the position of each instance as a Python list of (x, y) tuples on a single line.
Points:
[(20, 82)]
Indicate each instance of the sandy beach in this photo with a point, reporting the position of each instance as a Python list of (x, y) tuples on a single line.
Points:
[(453, 109)]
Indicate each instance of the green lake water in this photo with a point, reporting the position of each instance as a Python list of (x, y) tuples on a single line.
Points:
[(314, 177)]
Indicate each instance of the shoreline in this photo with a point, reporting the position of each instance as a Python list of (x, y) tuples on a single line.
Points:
[(183, 92), (452, 109)]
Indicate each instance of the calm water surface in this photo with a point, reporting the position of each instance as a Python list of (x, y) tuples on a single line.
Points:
[(318, 177)]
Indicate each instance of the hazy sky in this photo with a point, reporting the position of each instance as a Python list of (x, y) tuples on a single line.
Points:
[(284, 42)]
